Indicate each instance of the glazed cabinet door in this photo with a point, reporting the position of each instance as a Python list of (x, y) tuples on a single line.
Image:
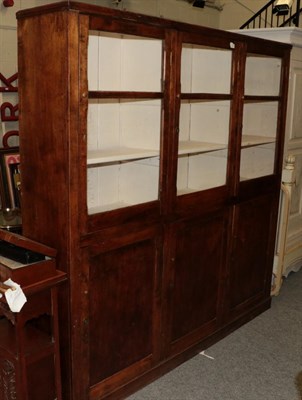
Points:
[(251, 262), (123, 276), (125, 74), (261, 116), (193, 277), (204, 114)]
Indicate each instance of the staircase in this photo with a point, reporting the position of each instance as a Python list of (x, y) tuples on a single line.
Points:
[(266, 17)]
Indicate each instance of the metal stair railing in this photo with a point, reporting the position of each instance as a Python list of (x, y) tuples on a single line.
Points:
[(266, 18)]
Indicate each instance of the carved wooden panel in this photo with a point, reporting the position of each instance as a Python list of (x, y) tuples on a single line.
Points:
[(7, 381)]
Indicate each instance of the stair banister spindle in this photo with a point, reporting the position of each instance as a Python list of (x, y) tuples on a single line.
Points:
[(272, 18), (297, 14), (272, 15)]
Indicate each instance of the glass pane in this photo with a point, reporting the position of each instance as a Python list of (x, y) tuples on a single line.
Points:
[(124, 62), (203, 123), (203, 142), (123, 135), (201, 171), (260, 117), (258, 139), (262, 75), (205, 70)]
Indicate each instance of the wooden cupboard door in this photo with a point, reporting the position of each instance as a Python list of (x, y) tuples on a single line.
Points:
[(123, 313), (251, 261), (195, 273), (205, 85)]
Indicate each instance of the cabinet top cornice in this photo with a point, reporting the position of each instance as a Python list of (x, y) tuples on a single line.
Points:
[(135, 18)]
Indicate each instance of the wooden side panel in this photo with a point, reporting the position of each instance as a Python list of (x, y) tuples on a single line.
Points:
[(197, 267), (45, 96), (49, 102), (252, 255)]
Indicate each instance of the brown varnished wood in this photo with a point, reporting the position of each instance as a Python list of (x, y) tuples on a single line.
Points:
[(252, 252), (127, 26), (124, 95), (139, 214), (171, 107), (79, 284), (250, 98), (95, 13), (30, 338), (150, 284), (121, 324), (21, 241), (124, 284), (83, 113), (51, 120), (48, 95), (195, 265), (175, 361), (259, 186), (205, 96), (236, 118)]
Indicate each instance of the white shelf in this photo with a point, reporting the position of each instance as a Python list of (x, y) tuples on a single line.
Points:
[(205, 186), (191, 146), (118, 154), (180, 192), (254, 140), (107, 207)]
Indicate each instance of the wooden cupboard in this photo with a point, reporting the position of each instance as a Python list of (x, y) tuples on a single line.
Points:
[(288, 253), (151, 155)]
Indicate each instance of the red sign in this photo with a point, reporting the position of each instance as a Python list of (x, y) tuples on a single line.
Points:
[(8, 111), (8, 83)]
